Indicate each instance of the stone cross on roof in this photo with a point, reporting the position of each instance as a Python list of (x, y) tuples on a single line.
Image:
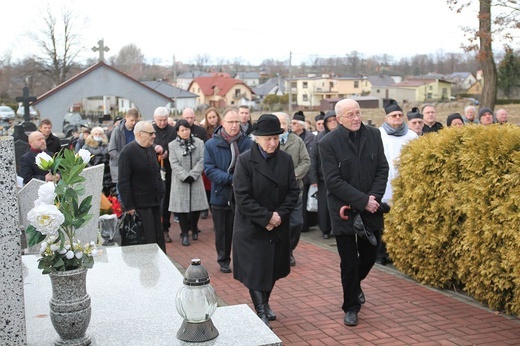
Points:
[(101, 48)]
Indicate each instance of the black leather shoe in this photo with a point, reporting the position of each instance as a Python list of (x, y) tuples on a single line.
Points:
[(351, 318), (185, 240), (361, 296), (225, 268), (195, 235), (167, 238), (204, 214), (326, 236), (292, 261)]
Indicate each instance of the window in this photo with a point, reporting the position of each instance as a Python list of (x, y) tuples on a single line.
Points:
[(305, 97), (356, 84), (294, 85), (305, 85), (237, 93)]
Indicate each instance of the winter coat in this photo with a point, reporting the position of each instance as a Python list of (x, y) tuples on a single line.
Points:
[(262, 187), (140, 185), (116, 144), (217, 158), (100, 155), (185, 197), (295, 147), (350, 177)]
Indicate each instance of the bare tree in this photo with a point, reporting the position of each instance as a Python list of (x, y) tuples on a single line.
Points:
[(496, 27), (60, 44), (129, 60)]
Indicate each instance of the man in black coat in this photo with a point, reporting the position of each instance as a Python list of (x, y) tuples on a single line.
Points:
[(164, 134), (53, 143), (356, 171), (140, 186), (28, 167)]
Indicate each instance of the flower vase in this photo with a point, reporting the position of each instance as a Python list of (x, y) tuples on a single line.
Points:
[(70, 307)]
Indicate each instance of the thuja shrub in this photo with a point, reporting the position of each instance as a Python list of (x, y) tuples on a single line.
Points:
[(455, 219)]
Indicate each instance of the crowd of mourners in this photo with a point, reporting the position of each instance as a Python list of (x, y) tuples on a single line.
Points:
[(255, 180)]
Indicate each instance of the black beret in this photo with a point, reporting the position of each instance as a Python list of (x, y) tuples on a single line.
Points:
[(392, 106), (414, 114)]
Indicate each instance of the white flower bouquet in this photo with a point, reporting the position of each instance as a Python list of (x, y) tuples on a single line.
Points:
[(58, 214)]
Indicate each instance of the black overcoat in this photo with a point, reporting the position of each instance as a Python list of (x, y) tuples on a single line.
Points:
[(140, 185), (351, 176), (261, 257)]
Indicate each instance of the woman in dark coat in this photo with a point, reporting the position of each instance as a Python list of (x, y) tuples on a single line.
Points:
[(266, 192)]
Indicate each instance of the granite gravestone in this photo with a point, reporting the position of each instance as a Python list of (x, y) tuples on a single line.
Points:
[(12, 308), (93, 186)]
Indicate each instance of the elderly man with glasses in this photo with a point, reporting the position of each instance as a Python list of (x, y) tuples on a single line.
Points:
[(140, 186), (356, 171)]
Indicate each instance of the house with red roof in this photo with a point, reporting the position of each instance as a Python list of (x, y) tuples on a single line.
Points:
[(221, 91)]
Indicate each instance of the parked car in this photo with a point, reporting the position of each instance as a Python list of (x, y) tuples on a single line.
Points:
[(72, 121), (6, 113), (20, 111), (473, 101)]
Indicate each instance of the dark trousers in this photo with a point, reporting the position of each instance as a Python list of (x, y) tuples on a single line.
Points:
[(357, 258), (152, 227), (223, 225), (323, 209), (296, 223), (189, 221), (165, 213)]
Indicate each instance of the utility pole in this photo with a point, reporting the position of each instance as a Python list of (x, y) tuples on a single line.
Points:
[(174, 85), (290, 85)]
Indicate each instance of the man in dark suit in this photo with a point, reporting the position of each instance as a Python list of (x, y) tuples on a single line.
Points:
[(356, 171), (140, 186), (188, 114), (28, 167), (52, 142)]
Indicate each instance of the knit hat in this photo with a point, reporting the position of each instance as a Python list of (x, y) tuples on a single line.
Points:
[(299, 116), (319, 116), (484, 110), (452, 117), (414, 114), (392, 106), (267, 125)]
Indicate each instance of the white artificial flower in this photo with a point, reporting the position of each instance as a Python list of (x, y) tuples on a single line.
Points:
[(78, 254), (94, 253), (46, 218), (84, 154), (54, 247), (46, 194), (69, 255), (43, 247), (44, 161), (62, 251)]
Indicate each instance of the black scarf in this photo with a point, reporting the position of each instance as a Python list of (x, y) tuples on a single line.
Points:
[(186, 145)]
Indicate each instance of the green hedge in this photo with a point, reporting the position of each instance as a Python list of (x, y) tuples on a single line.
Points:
[(455, 219)]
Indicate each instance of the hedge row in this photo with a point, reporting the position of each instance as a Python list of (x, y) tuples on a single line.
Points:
[(455, 220)]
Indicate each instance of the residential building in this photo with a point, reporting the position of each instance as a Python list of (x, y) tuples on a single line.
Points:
[(221, 91), (252, 79)]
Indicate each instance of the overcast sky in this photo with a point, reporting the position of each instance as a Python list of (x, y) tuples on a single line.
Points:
[(250, 30)]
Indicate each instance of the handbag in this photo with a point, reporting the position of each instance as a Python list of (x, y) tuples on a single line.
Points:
[(312, 199), (131, 229)]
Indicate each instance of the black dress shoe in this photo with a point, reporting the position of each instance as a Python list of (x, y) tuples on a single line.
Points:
[(195, 235), (225, 268), (292, 261), (204, 214), (326, 236), (361, 296), (351, 318), (185, 240)]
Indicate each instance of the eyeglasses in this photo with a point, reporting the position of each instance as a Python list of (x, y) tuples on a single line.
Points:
[(395, 115), (150, 133), (352, 115)]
